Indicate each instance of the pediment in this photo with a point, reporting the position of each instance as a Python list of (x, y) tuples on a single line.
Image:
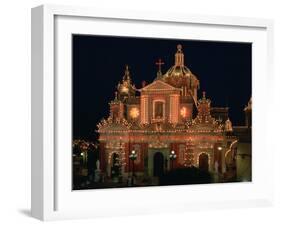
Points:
[(158, 85)]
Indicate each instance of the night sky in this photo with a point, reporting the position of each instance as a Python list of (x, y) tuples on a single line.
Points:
[(223, 69)]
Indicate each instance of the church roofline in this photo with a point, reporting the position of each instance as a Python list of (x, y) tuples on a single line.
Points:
[(157, 81)]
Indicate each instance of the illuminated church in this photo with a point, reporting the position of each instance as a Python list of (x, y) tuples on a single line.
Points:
[(163, 117)]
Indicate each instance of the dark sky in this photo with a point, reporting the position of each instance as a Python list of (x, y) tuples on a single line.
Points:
[(223, 69)]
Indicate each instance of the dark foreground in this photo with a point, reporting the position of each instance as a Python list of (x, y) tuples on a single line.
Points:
[(186, 176)]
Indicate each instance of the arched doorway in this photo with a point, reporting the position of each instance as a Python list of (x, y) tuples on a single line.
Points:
[(204, 162), (115, 165), (158, 164)]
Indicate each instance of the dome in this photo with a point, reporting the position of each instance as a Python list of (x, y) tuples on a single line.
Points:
[(179, 75)]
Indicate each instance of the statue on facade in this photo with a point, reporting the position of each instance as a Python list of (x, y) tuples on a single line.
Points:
[(97, 171)]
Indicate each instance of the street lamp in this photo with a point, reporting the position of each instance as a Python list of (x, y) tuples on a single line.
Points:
[(172, 156), (219, 148), (133, 156)]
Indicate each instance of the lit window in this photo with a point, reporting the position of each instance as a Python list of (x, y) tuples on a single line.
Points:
[(159, 109), (134, 112), (125, 89)]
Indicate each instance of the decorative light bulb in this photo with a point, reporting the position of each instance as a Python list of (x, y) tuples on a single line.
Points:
[(134, 112)]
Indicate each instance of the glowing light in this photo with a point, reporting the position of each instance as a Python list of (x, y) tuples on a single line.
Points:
[(125, 89), (184, 112), (134, 112), (133, 156)]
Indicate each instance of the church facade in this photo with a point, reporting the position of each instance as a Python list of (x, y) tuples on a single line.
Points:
[(166, 125)]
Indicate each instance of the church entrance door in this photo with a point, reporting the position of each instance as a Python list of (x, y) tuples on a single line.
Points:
[(115, 165), (158, 164), (204, 162)]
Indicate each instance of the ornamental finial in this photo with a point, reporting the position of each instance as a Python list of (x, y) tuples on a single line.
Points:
[(204, 95), (179, 47), (179, 57), (228, 125), (127, 69), (127, 73)]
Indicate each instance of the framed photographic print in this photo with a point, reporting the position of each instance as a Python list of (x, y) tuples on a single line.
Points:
[(142, 113)]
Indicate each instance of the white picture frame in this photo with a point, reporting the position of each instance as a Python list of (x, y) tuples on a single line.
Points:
[(52, 197)]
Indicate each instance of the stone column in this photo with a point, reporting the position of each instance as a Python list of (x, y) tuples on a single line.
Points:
[(144, 109)]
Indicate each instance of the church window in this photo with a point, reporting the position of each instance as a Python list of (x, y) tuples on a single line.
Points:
[(159, 109)]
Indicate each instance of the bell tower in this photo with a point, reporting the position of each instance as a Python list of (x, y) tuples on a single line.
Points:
[(126, 89), (204, 108), (116, 109)]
